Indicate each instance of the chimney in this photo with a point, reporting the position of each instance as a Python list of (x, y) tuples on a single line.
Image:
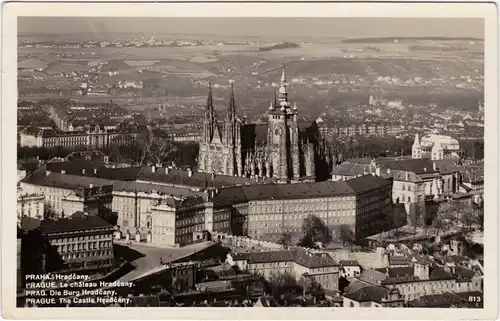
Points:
[(63, 171), (83, 171), (407, 176), (190, 172)]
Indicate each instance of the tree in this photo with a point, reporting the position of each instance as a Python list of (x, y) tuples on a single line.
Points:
[(347, 235), (316, 229), (159, 149), (48, 211), (310, 286), (283, 284), (439, 224), (466, 217), (285, 239), (306, 241)]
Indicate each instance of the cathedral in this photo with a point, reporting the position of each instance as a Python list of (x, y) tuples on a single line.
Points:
[(281, 150)]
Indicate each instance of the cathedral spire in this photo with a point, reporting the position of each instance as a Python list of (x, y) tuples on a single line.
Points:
[(232, 105), (210, 112), (283, 93)]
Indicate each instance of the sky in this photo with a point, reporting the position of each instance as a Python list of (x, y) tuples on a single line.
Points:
[(261, 27)]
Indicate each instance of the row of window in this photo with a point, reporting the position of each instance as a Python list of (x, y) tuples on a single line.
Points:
[(82, 238), (85, 254), (83, 246)]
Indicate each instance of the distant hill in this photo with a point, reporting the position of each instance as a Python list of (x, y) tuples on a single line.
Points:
[(403, 39)]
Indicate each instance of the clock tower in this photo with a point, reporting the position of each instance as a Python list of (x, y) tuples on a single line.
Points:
[(283, 137)]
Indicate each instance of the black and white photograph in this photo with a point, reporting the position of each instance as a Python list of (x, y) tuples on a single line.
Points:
[(334, 162)]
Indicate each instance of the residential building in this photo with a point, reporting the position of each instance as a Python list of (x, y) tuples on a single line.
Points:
[(80, 244), (373, 296), (423, 277), (349, 268), (295, 261), (435, 147)]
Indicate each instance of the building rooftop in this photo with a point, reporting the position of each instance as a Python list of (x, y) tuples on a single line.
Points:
[(352, 187), (296, 254), (444, 300), (73, 224), (369, 294), (196, 179), (394, 272), (349, 169), (399, 260), (417, 166), (349, 263), (73, 181)]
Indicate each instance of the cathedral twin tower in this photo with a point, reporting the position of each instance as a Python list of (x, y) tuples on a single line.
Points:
[(278, 150)]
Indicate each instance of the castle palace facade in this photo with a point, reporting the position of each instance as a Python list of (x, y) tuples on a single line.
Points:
[(281, 150)]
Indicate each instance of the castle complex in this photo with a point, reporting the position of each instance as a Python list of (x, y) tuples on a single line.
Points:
[(280, 150)]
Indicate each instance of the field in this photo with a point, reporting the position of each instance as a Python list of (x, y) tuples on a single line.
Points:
[(183, 72)]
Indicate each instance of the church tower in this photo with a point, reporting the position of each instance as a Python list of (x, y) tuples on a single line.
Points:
[(283, 137), (416, 149), (231, 137), (209, 118)]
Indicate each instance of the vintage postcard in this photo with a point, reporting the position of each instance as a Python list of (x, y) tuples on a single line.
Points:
[(326, 160)]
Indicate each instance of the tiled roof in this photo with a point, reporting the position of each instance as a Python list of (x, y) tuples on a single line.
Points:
[(349, 263), (400, 279), (438, 273), (28, 223), (394, 272), (73, 224), (398, 260), (402, 176), (355, 186), (296, 254), (197, 179), (348, 169), (311, 260), (72, 182), (464, 273), (417, 166), (360, 161), (372, 276), (355, 286), (369, 294), (447, 166), (264, 257), (436, 300)]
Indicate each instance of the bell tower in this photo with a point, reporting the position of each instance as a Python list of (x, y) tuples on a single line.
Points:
[(282, 140)]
